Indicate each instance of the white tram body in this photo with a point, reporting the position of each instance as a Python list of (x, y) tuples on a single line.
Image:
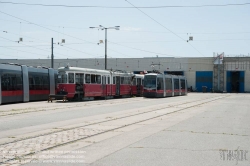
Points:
[(161, 85)]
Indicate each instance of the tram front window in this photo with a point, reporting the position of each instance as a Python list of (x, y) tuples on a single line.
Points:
[(62, 78), (150, 82)]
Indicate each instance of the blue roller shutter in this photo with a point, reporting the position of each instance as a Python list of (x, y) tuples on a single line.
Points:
[(204, 78)]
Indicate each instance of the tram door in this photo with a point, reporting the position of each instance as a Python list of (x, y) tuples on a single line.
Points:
[(104, 93), (118, 81), (138, 86), (109, 86)]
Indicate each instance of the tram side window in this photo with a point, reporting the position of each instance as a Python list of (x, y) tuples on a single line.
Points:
[(122, 80), (98, 77), (31, 82), (37, 83), (71, 77), (176, 83), (87, 78), (79, 78), (5, 82), (103, 80), (19, 82), (138, 81), (129, 80), (108, 80), (45, 82), (160, 84), (126, 80), (10, 82), (183, 84), (95, 79), (168, 83), (134, 81), (113, 80), (56, 80), (62, 78)]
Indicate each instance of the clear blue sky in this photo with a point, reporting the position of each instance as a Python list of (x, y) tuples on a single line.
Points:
[(214, 29)]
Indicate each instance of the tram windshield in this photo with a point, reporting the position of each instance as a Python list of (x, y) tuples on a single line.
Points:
[(150, 81), (62, 78)]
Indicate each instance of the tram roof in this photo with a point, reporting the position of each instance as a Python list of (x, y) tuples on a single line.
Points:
[(155, 74), (79, 69), (139, 76)]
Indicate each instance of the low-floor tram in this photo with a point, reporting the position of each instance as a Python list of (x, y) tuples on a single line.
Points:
[(21, 83), (161, 85)]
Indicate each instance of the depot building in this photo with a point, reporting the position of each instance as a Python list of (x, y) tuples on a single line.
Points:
[(218, 74)]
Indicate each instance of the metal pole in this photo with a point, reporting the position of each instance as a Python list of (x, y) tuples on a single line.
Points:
[(219, 75), (52, 55), (105, 48)]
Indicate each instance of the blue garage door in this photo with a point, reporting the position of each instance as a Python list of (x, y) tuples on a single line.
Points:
[(204, 78), (242, 86), (229, 81)]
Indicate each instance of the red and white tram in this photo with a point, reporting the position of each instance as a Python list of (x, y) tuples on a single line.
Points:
[(82, 83), (21, 83), (161, 85)]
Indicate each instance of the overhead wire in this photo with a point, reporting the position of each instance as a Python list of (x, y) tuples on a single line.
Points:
[(24, 44), (45, 27), (113, 42), (126, 46), (25, 51), (139, 49), (125, 7), (34, 47), (140, 31), (31, 46), (78, 50), (133, 42), (163, 26)]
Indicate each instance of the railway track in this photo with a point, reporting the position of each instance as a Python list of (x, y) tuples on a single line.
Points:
[(31, 145), (72, 105)]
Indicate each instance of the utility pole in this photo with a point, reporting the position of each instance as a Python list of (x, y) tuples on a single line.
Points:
[(105, 28), (52, 55), (105, 48)]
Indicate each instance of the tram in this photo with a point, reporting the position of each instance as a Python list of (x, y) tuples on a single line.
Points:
[(83, 83), (161, 85), (21, 83), (137, 85)]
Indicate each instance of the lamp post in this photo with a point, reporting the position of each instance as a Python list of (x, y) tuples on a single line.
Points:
[(104, 28)]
